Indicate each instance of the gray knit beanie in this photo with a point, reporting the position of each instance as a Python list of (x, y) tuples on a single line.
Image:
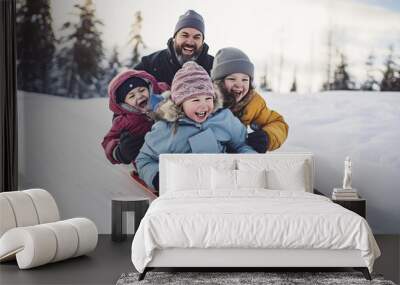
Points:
[(231, 60), (191, 19)]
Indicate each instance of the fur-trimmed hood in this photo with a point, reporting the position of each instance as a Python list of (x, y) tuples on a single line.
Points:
[(154, 87), (170, 112)]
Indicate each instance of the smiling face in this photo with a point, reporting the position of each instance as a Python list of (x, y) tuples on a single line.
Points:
[(199, 107), (138, 98), (188, 43), (238, 85)]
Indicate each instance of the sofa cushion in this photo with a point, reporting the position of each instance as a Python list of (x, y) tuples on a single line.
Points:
[(27, 208), (45, 205), (23, 208), (7, 215)]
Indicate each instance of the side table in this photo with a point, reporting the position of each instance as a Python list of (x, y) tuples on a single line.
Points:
[(358, 206), (126, 204)]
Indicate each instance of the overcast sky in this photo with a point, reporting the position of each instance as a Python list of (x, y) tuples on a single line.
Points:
[(288, 33)]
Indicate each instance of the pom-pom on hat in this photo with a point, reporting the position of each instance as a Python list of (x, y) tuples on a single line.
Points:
[(127, 86), (191, 19), (231, 60), (191, 80)]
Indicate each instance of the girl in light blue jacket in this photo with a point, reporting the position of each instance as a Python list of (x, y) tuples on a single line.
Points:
[(191, 120)]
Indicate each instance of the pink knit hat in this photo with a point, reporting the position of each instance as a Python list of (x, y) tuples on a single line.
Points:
[(191, 80)]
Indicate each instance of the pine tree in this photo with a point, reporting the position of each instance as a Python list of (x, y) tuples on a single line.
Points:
[(35, 45), (341, 77), (397, 81), (114, 67), (293, 88), (82, 53), (327, 84), (66, 66), (370, 83), (391, 74), (264, 82), (136, 39)]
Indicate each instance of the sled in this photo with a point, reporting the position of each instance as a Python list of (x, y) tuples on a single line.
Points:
[(143, 186)]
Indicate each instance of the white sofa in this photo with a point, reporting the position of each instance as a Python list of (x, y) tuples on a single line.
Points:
[(31, 231)]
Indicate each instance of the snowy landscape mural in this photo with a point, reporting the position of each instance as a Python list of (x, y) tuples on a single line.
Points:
[(60, 149), (303, 46), (331, 68)]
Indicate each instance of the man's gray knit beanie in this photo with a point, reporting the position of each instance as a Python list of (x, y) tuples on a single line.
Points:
[(231, 60), (191, 19)]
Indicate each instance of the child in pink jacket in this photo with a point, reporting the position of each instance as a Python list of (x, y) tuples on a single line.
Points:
[(133, 94)]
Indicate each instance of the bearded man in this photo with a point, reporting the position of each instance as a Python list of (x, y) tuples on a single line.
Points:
[(186, 44)]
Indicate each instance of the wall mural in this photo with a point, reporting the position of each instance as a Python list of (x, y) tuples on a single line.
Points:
[(330, 79)]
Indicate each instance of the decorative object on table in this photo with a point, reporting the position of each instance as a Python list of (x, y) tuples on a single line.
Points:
[(347, 192), (126, 204), (243, 278), (31, 231), (347, 174)]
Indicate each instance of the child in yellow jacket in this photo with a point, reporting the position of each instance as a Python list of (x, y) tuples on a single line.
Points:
[(232, 75)]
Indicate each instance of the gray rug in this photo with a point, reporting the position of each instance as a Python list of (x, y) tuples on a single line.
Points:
[(243, 278)]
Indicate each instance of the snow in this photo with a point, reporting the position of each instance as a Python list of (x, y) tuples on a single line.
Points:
[(59, 145), (60, 151), (363, 125)]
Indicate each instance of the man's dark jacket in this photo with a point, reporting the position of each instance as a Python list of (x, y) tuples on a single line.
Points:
[(164, 64)]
